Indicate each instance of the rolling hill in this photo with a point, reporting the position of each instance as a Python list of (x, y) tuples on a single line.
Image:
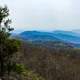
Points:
[(68, 37)]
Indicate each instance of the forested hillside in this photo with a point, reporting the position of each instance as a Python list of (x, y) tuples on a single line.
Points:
[(51, 63)]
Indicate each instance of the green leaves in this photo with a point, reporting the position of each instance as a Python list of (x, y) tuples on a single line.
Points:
[(26, 73), (8, 46), (19, 68), (4, 12), (12, 45), (4, 20)]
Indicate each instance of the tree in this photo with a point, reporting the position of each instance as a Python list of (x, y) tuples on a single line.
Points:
[(8, 46)]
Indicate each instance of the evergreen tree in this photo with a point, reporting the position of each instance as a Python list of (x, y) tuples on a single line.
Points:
[(8, 46)]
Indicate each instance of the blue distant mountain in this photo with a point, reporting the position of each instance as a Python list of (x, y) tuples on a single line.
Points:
[(63, 36), (36, 35), (67, 36)]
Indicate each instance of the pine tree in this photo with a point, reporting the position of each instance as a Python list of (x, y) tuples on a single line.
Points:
[(8, 46)]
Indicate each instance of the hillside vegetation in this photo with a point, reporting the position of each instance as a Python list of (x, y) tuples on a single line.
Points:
[(51, 63)]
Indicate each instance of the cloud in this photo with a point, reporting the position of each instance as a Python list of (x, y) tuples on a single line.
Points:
[(44, 14)]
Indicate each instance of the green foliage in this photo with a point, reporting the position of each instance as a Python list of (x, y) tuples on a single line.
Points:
[(12, 45), (4, 20), (27, 74), (19, 68), (4, 12), (8, 46)]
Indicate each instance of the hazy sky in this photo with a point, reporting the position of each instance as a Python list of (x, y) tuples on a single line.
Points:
[(45, 15)]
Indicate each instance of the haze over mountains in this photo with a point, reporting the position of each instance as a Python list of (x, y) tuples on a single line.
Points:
[(71, 37)]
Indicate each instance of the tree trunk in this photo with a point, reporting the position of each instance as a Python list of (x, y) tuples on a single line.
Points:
[(1, 63)]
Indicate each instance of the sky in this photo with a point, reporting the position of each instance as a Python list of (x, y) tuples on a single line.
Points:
[(45, 15)]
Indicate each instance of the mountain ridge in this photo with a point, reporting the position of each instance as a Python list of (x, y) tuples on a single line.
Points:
[(62, 36)]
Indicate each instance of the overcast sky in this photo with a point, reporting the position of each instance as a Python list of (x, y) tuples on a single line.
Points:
[(45, 15)]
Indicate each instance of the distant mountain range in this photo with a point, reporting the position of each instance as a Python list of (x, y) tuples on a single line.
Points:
[(76, 31), (69, 37), (36, 35)]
